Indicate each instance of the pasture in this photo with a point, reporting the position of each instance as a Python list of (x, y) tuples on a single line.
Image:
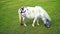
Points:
[(9, 20)]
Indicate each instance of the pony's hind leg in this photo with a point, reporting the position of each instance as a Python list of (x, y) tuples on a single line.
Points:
[(34, 22), (23, 21), (37, 22)]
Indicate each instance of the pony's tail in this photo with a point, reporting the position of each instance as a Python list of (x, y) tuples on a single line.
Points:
[(20, 17), (21, 20), (47, 16)]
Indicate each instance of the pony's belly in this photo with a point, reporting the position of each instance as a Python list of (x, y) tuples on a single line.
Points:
[(30, 16)]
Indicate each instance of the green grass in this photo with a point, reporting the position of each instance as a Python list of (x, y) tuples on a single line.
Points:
[(9, 22)]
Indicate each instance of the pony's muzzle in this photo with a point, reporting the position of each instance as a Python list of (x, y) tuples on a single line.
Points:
[(47, 23)]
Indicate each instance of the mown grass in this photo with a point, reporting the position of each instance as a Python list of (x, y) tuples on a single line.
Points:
[(9, 22)]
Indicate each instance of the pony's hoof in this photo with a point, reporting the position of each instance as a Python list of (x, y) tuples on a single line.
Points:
[(38, 24), (25, 25), (32, 25), (21, 24)]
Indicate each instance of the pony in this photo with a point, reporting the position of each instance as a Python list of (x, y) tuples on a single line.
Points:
[(34, 13)]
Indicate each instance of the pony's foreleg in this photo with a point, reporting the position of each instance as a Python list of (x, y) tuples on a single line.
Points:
[(44, 20), (37, 22), (34, 22)]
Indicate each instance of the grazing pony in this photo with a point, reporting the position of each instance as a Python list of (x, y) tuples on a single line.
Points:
[(34, 13)]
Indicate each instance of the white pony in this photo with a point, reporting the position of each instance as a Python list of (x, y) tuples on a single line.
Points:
[(34, 13)]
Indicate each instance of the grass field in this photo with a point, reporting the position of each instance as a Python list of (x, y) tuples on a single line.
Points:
[(9, 22)]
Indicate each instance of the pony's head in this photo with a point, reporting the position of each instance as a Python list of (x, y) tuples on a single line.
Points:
[(47, 23)]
